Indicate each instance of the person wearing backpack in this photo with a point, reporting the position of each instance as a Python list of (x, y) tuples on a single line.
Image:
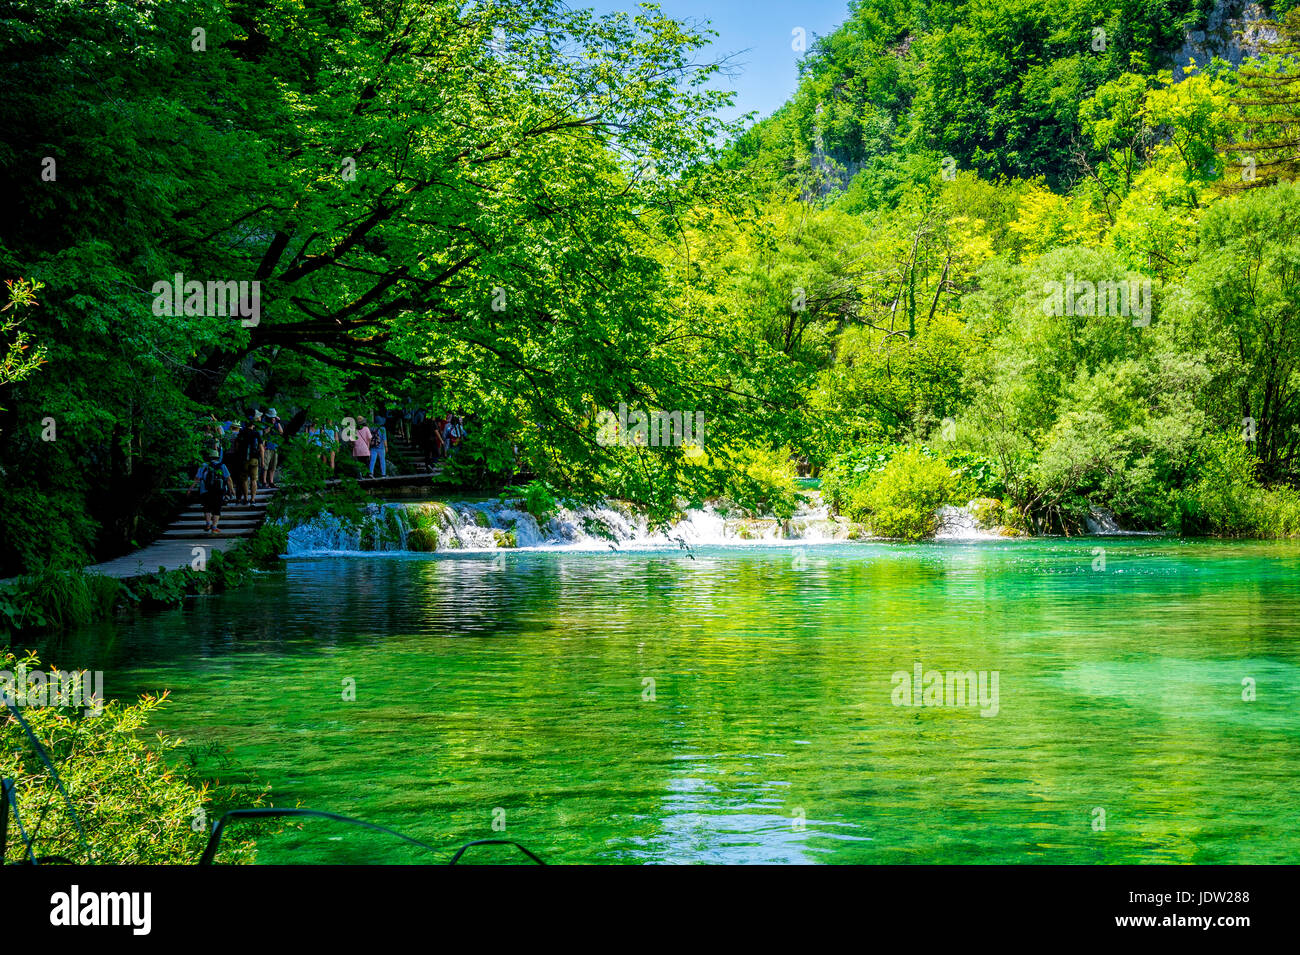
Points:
[(455, 434), (246, 456), (379, 448), (212, 481)]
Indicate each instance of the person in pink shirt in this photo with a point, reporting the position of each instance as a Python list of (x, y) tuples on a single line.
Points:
[(361, 447)]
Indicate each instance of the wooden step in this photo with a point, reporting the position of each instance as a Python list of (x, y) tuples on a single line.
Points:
[(259, 499), (228, 508), (232, 520), (201, 534)]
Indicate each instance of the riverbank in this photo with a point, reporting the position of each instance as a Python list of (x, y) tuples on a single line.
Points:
[(57, 600), (341, 521)]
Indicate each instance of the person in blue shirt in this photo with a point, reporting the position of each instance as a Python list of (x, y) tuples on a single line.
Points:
[(379, 448), (211, 481)]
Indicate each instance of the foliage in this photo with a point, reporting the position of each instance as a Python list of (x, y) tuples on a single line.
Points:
[(16, 360), (421, 539), (1227, 501), (138, 804), (538, 499), (57, 599), (901, 499), (529, 212), (767, 482)]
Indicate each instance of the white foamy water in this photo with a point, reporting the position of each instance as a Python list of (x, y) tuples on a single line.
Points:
[(496, 525), (959, 523), (477, 526), (1101, 521)]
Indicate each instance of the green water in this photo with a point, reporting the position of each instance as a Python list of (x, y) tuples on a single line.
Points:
[(518, 694)]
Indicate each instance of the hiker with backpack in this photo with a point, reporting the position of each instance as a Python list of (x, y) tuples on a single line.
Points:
[(379, 448), (453, 433), (246, 455), (212, 480)]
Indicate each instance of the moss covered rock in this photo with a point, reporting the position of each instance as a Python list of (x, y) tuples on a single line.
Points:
[(422, 539)]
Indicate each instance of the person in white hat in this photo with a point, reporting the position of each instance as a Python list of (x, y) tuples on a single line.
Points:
[(273, 434)]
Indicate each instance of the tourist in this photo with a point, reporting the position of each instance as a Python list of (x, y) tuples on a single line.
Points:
[(421, 431), (246, 457), (273, 436), (313, 438), (361, 446), (211, 434), (259, 424), (326, 439), (439, 442), (455, 433), (379, 448), (445, 428), (329, 441), (212, 481)]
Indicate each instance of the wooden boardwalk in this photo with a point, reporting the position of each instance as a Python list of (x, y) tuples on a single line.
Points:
[(185, 539)]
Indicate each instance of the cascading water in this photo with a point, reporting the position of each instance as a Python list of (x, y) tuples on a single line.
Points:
[(959, 523), (1101, 520), (495, 525), (422, 527)]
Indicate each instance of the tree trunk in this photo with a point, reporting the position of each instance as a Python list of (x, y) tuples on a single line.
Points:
[(208, 378)]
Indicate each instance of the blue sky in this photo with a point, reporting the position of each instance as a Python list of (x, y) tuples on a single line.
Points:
[(767, 74)]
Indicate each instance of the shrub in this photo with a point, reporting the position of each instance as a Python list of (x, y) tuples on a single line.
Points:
[(44, 530), (134, 807), (57, 599), (974, 476), (989, 512), (848, 477), (1226, 500), (538, 499), (901, 499), (766, 482), (422, 539)]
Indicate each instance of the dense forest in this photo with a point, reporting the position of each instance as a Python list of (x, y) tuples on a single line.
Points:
[(1025, 253)]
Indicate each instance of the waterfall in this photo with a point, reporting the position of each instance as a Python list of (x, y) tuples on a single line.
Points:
[(476, 526), (416, 527), (972, 521), (1101, 520)]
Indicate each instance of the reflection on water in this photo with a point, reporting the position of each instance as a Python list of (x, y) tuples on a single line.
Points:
[(736, 706)]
